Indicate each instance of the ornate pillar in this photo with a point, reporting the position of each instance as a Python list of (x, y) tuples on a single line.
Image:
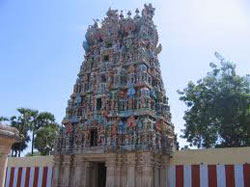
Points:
[(164, 170), (94, 175), (66, 165), (111, 165), (56, 170), (131, 174), (8, 136), (139, 166), (86, 171), (156, 168), (78, 167), (123, 176), (147, 169), (118, 170), (3, 165)]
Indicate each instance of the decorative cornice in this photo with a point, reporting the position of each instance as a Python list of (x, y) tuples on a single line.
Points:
[(10, 132)]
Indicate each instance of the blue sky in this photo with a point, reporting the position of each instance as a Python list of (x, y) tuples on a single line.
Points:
[(41, 46)]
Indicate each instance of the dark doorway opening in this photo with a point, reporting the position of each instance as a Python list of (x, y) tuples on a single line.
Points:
[(106, 58), (101, 174), (93, 137), (98, 104)]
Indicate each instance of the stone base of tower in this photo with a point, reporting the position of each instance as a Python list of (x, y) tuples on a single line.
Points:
[(133, 169)]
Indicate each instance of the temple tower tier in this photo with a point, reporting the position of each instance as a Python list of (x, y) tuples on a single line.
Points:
[(118, 123)]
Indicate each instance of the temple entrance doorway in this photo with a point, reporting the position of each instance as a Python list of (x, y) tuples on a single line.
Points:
[(101, 169), (98, 174)]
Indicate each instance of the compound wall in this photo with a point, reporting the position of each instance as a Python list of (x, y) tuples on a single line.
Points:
[(228, 167), (29, 172)]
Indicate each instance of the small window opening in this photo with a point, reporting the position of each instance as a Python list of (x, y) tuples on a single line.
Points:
[(98, 104), (79, 113), (109, 45), (93, 137), (103, 78), (106, 58)]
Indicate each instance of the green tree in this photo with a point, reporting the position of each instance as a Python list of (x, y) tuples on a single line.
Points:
[(20, 123), (29, 120), (36, 121), (45, 138), (218, 113), (2, 118), (40, 120)]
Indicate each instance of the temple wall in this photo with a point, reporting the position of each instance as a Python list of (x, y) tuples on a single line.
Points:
[(208, 167), (212, 156), (36, 161), (29, 171)]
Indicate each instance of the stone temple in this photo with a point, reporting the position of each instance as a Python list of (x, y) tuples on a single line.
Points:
[(118, 130)]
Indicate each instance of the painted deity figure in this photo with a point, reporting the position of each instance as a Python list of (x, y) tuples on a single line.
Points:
[(101, 136), (86, 138)]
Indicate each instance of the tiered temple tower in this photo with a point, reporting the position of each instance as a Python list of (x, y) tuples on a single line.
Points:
[(118, 129)]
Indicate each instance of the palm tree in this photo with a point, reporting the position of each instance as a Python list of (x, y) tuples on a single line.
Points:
[(24, 122), (45, 138), (18, 123), (31, 120), (33, 127), (36, 121), (40, 120)]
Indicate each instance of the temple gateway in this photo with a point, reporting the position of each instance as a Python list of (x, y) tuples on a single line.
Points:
[(117, 129)]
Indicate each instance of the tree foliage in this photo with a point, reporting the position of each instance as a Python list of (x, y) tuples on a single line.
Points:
[(39, 120), (218, 113), (21, 122), (2, 118), (45, 138), (34, 123)]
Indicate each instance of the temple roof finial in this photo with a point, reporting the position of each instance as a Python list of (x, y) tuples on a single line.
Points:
[(129, 13)]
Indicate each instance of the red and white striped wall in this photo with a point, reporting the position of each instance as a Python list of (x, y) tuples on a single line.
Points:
[(28, 177), (209, 175), (178, 176)]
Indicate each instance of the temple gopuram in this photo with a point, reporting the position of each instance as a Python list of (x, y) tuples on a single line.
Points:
[(117, 129)]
